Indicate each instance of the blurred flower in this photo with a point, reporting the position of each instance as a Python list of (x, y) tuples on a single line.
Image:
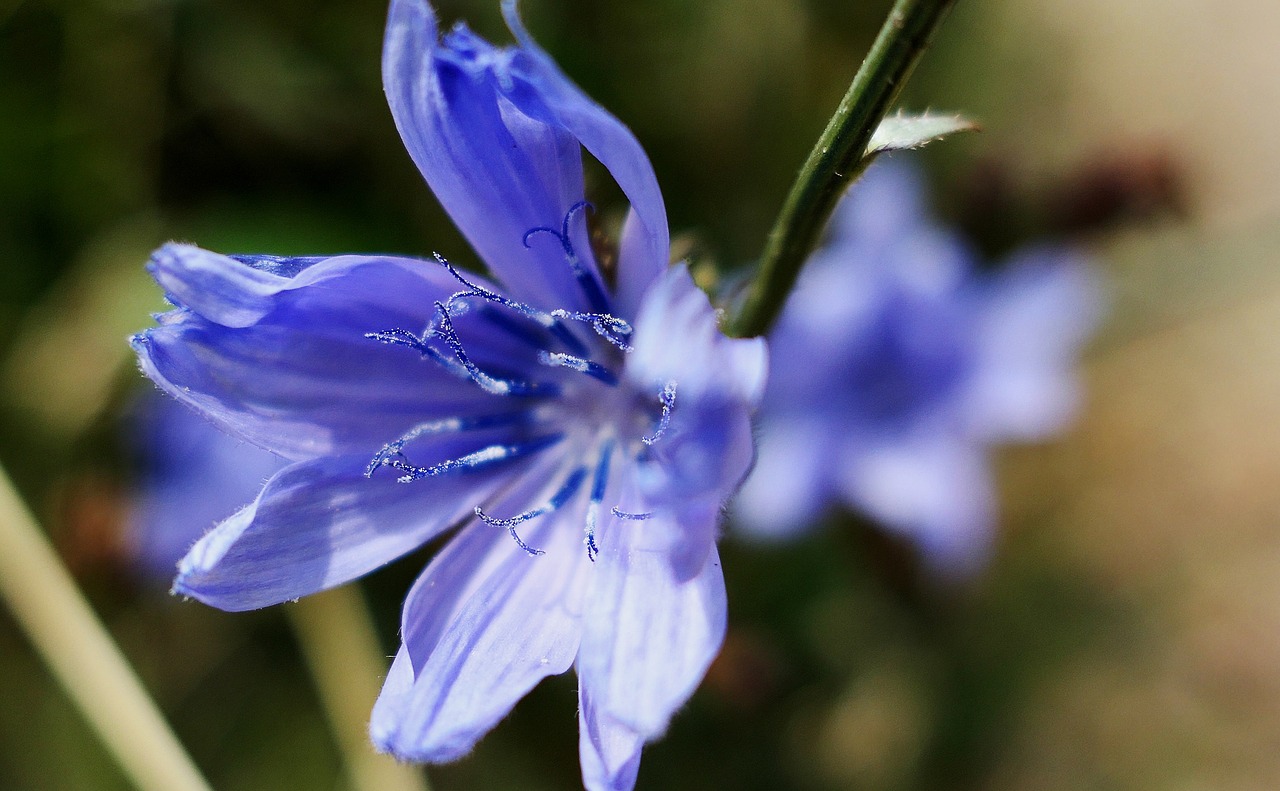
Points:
[(191, 476), (894, 366), (588, 426)]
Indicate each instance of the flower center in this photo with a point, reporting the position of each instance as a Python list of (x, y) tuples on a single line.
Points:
[(566, 390)]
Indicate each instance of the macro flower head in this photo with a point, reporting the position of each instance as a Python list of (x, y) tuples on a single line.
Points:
[(584, 426), (896, 364)]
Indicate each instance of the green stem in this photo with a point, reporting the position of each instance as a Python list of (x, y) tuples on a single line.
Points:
[(341, 649), (83, 657), (837, 159)]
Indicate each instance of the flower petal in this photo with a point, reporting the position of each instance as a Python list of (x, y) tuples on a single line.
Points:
[(708, 447), (483, 624), (320, 523), (788, 486), (497, 172), (498, 135), (1034, 316), (678, 339), (193, 477), (609, 750), (934, 490), (648, 638), (301, 379), (646, 241)]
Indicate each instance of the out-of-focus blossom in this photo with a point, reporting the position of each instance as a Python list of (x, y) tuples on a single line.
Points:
[(191, 476), (896, 364), (585, 426)]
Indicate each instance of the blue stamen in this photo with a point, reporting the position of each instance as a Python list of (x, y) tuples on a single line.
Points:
[(444, 426), (587, 280), (598, 485), (609, 327), (603, 323), (490, 384), (592, 369), (480, 459), (628, 515), (476, 290), (402, 337), (668, 398), (562, 496)]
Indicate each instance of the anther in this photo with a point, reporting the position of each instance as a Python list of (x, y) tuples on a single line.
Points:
[(444, 426), (587, 280), (566, 491), (593, 369), (480, 459), (668, 399), (490, 384)]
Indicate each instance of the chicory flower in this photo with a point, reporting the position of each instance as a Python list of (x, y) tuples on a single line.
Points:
[(896, 365), (584, 425)]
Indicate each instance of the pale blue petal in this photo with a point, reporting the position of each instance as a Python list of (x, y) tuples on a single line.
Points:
[(788, 486), (648, 638), (498, 135), (678, 339), (222, 290), (680, 528), (708, 446), (609, 750), (705, 454), (498, 172), (934, 490), (320, 523), (483, 624), (1033, 318), (385, 719)]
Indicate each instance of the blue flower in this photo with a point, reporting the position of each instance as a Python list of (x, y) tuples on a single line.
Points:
[(584, 424), (191, 477), (895, 365)]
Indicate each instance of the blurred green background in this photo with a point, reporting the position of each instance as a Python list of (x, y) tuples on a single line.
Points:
[(1126, 636)]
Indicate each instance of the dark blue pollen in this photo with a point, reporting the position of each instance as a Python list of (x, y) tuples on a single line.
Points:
[(601, 479), (490, 384), (599, 483)]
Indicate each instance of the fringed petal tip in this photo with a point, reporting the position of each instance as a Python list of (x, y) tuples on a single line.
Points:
[(389, 744)]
